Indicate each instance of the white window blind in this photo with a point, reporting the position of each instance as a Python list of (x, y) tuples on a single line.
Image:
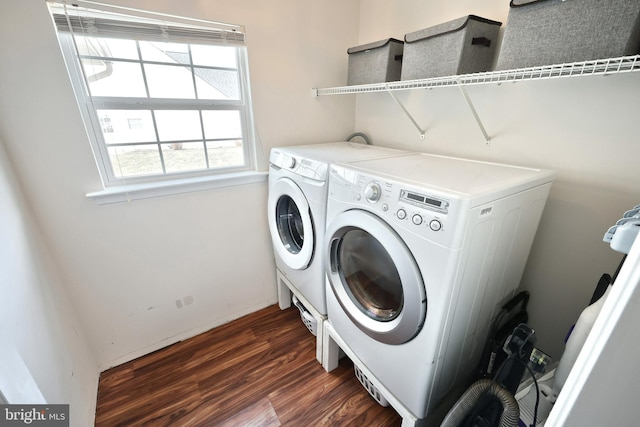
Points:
[(163, 97), (108, 22)]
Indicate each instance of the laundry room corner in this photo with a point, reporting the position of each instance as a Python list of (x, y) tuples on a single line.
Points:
[(583, 128)]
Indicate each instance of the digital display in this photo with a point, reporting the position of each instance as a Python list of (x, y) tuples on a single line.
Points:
[(433, 202), (416, 197), (426, 202)]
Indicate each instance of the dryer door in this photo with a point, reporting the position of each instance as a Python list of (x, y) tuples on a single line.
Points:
[(375, 278), (290, 224)]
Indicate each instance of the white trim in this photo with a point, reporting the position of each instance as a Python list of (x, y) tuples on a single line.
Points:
[(127, 193)]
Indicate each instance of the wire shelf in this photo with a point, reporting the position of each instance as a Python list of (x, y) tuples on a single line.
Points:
[(585, 68)]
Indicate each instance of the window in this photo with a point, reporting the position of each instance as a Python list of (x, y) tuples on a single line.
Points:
[(163, 98)]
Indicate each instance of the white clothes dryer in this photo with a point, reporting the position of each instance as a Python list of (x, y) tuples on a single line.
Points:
[(298, 177), (421, 250)]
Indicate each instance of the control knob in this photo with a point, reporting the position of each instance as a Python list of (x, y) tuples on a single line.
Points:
[(292, 162), (372, 192), (435, 225)]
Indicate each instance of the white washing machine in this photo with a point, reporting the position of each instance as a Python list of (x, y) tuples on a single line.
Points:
[(298, 179), (421, 251)]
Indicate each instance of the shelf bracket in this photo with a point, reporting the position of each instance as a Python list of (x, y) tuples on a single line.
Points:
[(406, 112), (487, 138)]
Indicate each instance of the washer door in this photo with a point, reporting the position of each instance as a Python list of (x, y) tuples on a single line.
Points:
[(290, 224), (375, 278)]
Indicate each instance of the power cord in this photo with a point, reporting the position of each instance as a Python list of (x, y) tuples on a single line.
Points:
[(535, 382), (516, 346)]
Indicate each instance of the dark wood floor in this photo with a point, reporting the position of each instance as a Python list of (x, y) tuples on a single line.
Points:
[(258, 371)]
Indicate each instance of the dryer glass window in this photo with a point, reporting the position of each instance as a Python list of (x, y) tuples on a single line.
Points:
[(370, 276), (290, 226)]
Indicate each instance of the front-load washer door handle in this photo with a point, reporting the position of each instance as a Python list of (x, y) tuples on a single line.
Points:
[(334, 263)]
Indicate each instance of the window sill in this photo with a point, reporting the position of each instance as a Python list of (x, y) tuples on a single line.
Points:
[(127, 193)]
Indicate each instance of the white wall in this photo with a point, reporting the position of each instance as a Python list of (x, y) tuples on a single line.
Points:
[(125, 265), (584, 128), (44, 354)]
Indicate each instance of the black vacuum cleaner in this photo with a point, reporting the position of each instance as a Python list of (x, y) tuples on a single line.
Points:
[(490, 402)]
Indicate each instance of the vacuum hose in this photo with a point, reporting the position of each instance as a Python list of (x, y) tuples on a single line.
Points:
[(486, 387)]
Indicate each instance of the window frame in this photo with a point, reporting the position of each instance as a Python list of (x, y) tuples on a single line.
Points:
[(89, 106)]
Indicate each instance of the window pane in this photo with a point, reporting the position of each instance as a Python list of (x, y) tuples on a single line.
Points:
[(167, 81), (184, 156), (215, 56), (114, 78), (173, 53), (222, 124), (110, 48), (217, 84), (123, 126), (178, 125), (155, 108), (225, 153), (135, 160)]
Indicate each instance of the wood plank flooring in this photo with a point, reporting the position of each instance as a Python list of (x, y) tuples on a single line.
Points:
[(258, 371)]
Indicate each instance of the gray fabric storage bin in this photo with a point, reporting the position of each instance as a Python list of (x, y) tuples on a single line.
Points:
[(544, 32), (375, 62), (462, 46)]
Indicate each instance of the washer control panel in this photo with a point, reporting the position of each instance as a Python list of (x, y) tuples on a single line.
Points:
[(309, 168), (419, 210)]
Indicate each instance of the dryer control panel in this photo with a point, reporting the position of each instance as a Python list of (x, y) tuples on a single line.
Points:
[(420, 200), (425, 201), (424, 210)]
